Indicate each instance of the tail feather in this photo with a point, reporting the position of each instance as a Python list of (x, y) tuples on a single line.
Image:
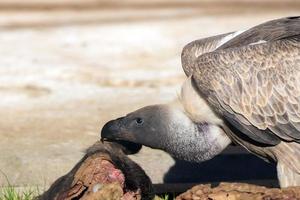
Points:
[(288, 166), (288, 154)]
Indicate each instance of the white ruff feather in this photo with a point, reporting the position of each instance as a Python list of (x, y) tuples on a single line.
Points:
[(258, 42), (229, 37), (196, 107)]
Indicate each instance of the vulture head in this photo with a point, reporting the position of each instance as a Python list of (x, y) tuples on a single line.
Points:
[(171, 128)]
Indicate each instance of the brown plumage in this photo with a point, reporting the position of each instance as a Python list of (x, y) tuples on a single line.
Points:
[(252, 82)]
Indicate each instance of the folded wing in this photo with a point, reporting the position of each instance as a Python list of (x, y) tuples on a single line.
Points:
[(255, 86)]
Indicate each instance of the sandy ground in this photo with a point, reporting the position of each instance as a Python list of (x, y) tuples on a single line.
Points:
[(64, 72)]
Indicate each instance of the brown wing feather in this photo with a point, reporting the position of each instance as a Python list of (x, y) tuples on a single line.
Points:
[(194, 49), (256, 88), (269, 31)]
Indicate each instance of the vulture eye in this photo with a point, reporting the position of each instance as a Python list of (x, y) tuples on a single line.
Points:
[(139, 121)]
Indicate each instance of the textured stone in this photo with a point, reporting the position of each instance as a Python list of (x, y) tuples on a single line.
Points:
[(239, 191)]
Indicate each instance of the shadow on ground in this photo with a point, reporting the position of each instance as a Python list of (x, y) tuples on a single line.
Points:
[(229, 168)]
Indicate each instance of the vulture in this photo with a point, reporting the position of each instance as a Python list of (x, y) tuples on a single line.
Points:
[(241, 87)]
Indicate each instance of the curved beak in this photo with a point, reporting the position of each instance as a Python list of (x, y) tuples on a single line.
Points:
[(112, 131)]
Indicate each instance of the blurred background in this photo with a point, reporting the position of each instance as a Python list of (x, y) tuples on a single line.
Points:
[(68, 66)]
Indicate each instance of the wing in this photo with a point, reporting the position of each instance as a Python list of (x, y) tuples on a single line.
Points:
[(266, 32), (198, 47), (255, 88)]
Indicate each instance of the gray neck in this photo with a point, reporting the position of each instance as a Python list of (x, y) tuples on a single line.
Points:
[(196, 142)]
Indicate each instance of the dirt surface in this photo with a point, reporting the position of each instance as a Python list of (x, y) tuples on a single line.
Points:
[(64, 72)]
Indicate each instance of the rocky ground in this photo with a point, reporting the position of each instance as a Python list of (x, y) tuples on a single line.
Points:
[(238, 191), (66, 69)]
